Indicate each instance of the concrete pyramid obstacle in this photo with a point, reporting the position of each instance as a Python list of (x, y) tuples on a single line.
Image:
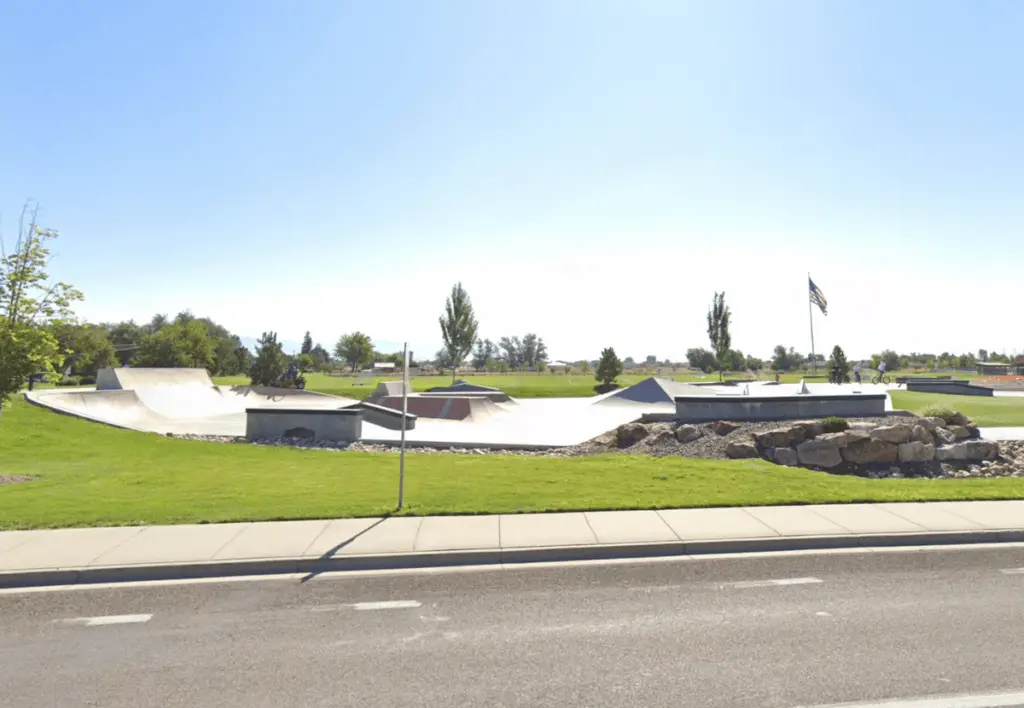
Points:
[(653, 390)]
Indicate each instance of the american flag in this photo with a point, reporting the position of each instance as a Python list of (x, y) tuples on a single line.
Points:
[(818, 297)]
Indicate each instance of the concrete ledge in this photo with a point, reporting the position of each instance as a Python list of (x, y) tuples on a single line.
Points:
[(494, 556)]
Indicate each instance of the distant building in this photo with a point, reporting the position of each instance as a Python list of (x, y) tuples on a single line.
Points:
[(559, 366), (995, 368), (384, 367)]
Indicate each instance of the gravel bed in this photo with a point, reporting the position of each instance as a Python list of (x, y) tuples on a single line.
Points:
[(14, 478)]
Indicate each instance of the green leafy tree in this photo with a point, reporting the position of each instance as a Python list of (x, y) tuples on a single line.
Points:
[(30, 304), (458, 326), (355, 349), (718, 329), (85, 348), (484, 351), (183, 344), (609, 367), (585, 367), (269, 363), (307, 344), (838, 367), (754, 364), (700, 358), (305, 362)]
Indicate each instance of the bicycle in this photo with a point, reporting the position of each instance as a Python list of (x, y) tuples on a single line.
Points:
[(884, 378)]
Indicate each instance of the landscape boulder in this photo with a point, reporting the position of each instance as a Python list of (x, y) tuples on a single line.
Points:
[(781, 437), (845, 437), (916, 451), (819, 453), (812, 428), (960, 432), (786, 456), (687, 433), (968, 450), (723, 427), (922, 434), (630, 434), (870, 451), (930, 424), (899, 433), (945, 435), (741, 451)]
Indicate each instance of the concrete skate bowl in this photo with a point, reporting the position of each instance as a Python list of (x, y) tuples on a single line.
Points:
[(459, 388), (468, 409), (175, 401)]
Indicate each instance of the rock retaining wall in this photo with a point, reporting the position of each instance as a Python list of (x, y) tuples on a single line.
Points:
[(912, 447)]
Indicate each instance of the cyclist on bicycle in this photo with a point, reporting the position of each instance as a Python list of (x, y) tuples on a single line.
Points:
[(881, 372)]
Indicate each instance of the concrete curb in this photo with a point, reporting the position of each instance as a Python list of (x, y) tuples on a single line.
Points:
[(509, 556)]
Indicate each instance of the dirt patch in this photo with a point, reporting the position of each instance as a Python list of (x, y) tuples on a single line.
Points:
[(14, 478)]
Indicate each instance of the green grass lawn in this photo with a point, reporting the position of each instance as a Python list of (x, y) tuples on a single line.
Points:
[(90, 474), (982, 410)]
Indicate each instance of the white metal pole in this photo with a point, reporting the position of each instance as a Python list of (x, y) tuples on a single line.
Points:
[(810, 314), (405, 410)]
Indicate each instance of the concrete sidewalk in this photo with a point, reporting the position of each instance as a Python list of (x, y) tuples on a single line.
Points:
[(68, 556)]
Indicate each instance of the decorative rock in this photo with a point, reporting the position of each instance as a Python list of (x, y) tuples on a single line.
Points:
[(960, 432), (916, 451), (741, 451), (973, 431), (630, 433), (812, 428), (922, 434), (687, 433), (930, 424), (945, 435), (871, 450), (786, 456), (819, 453), (899, 433), (846, 437), (723, 427), (782, 437), (979, 449), (946, 453)]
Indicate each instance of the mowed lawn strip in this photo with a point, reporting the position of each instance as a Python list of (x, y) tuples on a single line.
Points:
[(984, 411), (93, 475)]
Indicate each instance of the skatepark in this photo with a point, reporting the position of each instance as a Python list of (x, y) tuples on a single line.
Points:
[(186, 402)]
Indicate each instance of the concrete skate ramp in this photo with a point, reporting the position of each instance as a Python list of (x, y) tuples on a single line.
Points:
[(176, 402), (130, 379), (650, 391), (462, 408)]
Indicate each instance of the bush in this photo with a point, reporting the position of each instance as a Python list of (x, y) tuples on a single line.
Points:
[(88, 380), (949, 415), (70, 381), (835, 424)]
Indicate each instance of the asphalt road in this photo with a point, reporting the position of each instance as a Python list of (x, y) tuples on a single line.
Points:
[(784, 630)]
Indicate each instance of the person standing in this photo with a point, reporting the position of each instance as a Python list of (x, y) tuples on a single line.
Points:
[(856, 372)]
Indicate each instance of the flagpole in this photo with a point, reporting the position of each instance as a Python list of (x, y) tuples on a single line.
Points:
[(405, 412), (810, 315)]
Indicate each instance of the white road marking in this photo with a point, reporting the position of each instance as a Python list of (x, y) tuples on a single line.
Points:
[(1012, 571), (386, 605), (773, 583), (977, 700), (823, 614), (108, 619)]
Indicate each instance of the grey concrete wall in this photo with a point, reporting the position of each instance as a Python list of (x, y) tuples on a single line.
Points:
[(344, 425), (957, 388), (386, 417), (699, 409)]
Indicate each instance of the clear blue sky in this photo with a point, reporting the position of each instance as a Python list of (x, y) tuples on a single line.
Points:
[(590, 170)]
